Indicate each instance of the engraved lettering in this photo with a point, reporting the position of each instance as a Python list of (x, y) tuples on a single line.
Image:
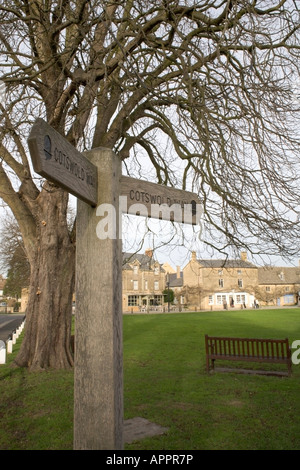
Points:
[(76, 170)]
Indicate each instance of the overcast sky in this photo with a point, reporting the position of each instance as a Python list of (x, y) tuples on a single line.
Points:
[(172, 243)]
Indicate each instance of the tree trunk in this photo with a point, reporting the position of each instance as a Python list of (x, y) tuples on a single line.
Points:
[(46, 343)]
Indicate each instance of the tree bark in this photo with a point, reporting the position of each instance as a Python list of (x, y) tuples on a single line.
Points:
[(49, 311)]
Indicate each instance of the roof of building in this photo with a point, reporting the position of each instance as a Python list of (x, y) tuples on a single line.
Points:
[(146, 262), (175, 281), (279, 275), (225, 263)]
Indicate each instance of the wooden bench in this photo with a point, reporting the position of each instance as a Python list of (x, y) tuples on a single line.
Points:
[(270, 351)]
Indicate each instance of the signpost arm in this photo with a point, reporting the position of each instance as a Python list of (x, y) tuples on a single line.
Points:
[(98, 380)]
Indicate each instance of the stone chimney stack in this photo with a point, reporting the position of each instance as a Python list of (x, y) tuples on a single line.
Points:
[(244, 255), (178, 272), (194, 256), (149, 252)]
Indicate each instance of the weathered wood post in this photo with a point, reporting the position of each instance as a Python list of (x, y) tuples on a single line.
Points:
[(97, 183), (98, 386)]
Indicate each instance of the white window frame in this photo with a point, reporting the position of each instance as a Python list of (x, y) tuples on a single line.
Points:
[(221, 298)]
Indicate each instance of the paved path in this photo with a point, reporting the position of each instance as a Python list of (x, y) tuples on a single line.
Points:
[(9, 323)]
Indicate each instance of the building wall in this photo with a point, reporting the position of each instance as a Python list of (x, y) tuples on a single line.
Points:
[(204, 287), (142, 288), (277, 295), (217, 287)]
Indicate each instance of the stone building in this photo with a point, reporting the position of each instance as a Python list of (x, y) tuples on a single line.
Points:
[(175, 282), (217, 284), (143, 282), (278, 286), (203, 284)]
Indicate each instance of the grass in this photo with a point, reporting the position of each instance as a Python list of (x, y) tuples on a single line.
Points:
[(165, 382), (36, 408)]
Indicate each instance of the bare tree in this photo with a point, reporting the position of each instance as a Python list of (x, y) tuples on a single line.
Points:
[(13, 257), (200, 91)]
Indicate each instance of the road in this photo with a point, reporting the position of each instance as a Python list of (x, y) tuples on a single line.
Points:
[(9, 323)]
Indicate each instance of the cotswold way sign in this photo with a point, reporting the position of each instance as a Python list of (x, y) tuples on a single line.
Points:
[(95, 178), (160, 202), (59, 162)]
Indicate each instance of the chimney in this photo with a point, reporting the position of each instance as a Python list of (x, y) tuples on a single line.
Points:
[(178, 272), (244, 255), (149, 252), (193, 255)]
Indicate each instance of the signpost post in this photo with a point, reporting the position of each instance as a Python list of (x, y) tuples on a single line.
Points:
[(98, 379), (95, 178)]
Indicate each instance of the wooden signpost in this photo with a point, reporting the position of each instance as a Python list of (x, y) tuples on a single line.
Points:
[(95, 178), (158, 201), (57, 160)]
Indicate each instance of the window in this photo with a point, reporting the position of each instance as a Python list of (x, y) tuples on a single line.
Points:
[(287, 289), (156, 285), (157, 300), (289, 299), (268, 289), (221, 299), (240, 299), (146, 285), (220, 272), (239, 271), (132, 300), (240, 282), (221, 282), (135, 269), (210, 300), (135, 285), (156, 270)]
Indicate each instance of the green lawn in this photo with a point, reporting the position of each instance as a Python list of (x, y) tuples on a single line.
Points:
[(165, 382)]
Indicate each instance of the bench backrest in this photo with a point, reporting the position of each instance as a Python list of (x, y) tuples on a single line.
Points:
[(247, 347)]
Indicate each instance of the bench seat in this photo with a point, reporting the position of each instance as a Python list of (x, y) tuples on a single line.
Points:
[(262, 350)]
